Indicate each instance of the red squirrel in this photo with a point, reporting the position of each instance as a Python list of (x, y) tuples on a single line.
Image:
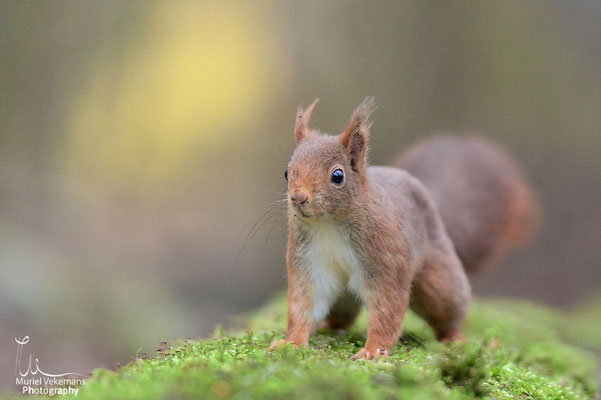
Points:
[(389, 238)]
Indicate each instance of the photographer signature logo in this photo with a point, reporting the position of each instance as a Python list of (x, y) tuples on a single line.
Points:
[(35, 381)]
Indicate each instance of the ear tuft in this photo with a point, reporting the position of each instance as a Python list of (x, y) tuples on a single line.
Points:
[(301, 126), (356, 134), (362, 113)]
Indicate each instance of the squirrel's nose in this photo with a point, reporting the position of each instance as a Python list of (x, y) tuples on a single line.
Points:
[(299, 198)]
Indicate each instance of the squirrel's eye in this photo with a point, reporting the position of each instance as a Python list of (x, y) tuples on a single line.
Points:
[(286, 174), (337, 176)]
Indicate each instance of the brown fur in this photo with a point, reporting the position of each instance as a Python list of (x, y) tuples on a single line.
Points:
[(385, 242), (483, 198)]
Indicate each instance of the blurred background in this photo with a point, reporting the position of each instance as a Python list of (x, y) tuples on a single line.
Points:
[(142, 145)]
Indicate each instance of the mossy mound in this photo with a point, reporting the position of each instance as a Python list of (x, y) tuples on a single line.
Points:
[(514, 351)]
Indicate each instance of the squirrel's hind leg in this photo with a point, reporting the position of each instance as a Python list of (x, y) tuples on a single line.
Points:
[(440, 294), (344, 312)]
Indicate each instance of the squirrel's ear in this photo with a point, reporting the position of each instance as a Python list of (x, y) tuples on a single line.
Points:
[(356, 134), (301, 126)]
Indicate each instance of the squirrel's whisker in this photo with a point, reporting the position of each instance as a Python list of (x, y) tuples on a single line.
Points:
[(273, 225), (255, 228)]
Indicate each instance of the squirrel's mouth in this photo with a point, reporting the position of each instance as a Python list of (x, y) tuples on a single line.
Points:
[(298, 211), (308, 212), (308, 216)]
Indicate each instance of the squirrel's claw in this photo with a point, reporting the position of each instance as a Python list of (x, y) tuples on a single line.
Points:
[(368, 355), (278, 344)]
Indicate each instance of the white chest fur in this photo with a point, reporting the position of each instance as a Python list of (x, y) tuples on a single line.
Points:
[(334, 265)]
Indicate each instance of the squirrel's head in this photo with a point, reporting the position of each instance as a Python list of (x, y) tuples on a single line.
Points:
[(327, 173)]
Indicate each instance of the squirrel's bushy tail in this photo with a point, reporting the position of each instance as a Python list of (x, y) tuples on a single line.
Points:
[(483, 198)]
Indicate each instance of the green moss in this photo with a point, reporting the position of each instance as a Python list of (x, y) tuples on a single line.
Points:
[(514, 350)]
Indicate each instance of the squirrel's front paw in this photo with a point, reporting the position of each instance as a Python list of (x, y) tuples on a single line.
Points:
[(368, 355), (276, 344)]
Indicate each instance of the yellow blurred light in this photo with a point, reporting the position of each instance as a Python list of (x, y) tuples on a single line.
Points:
[(200, 71)]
